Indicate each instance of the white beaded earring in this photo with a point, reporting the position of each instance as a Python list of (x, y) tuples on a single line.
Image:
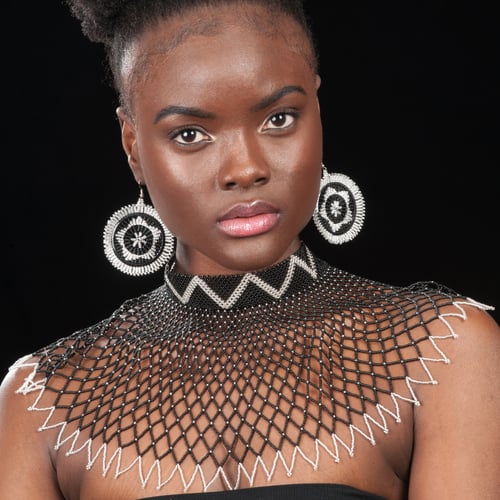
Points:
[(340, 209), (135, 239)]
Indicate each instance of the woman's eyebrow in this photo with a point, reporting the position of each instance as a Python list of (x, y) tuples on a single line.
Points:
[(276, 96), (182, 110), (199, 113)]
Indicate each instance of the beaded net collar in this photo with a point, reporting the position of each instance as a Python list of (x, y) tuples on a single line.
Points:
[(219, 377)]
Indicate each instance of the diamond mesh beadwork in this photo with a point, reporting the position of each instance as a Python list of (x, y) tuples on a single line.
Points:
[(207, 375)]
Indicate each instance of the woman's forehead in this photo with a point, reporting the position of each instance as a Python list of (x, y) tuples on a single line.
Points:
[(211, 22), (212, 75)]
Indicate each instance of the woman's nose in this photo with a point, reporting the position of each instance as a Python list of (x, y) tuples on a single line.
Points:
[(243, 166)]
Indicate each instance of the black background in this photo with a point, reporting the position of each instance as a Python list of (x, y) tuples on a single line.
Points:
[(410, 107)]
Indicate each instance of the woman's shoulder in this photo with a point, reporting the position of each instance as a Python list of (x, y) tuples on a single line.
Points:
[(21, 387), (458, 328), (466, 338), (477, 335), (456, 423), (20, 381), (448, 314)]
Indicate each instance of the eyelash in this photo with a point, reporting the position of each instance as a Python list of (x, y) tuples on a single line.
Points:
[(177, 136), (287, 115)]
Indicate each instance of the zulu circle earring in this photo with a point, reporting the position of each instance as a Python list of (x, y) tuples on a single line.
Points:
[(340, 209), (136, 241)]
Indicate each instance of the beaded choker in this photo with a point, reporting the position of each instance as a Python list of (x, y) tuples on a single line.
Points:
[(245, 290)]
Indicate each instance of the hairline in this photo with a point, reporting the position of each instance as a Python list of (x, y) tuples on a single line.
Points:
[(202, 27)]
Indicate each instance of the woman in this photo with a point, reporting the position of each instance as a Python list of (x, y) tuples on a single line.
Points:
[(257, 370)]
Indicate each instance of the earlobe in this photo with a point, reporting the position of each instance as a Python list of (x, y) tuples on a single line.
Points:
[(129, 143)]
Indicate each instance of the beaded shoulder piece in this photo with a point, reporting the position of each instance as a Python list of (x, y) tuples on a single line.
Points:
[(217, 378)]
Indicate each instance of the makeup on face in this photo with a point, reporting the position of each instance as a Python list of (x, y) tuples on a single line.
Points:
[(228, 138)]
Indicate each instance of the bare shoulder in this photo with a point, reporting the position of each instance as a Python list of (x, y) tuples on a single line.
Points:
[(457, 436), (476, 348), (474, 354), (468, 315), (17, 381), (17, 394), (23, 447)]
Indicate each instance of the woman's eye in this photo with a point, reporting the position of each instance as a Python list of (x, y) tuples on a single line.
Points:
[(279, 121), (189, 136)]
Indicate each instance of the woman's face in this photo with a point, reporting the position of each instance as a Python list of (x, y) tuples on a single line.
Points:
[(227, 137)]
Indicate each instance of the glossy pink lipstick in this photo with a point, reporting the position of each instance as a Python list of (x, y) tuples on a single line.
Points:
[(248, 219)]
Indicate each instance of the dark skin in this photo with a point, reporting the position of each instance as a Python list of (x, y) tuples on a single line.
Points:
[(255, 136), (245, 128)]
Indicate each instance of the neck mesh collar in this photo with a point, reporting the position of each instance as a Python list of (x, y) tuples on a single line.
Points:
[(243, 290)]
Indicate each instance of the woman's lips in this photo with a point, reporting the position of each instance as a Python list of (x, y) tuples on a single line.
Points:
[(248, 219)]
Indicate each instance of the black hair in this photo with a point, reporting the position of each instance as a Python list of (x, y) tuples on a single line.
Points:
[(116, 23)]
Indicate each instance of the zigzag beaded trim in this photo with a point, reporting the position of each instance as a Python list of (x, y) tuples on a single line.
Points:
[(110, 459), (243, 290)]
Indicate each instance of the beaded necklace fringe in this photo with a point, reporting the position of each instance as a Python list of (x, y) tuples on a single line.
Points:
[(223, 378)]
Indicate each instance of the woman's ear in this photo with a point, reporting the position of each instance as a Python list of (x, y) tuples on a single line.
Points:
[(318, 83), (129, 143)]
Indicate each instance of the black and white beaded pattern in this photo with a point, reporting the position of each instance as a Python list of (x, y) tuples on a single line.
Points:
[(136, 242), (197, 392), (340, 208), (227, 292)]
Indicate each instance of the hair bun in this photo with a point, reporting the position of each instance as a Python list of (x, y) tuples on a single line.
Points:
[(99, 18)]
